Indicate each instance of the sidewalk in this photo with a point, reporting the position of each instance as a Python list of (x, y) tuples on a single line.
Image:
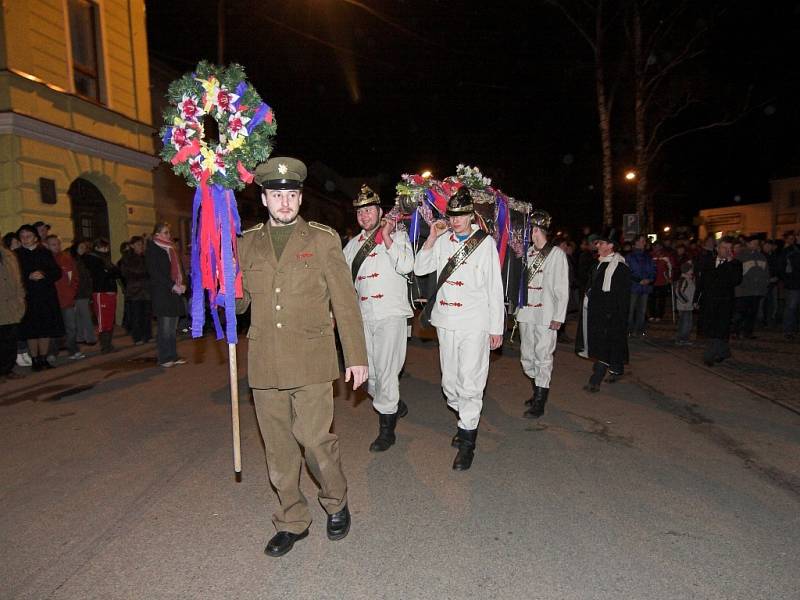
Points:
[(124, 351)]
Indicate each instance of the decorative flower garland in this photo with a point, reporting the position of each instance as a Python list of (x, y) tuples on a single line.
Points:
[(246, 127)]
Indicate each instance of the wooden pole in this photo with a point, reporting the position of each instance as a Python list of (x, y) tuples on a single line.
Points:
[(234, 377)]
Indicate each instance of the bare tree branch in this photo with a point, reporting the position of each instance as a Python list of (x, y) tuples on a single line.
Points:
[(746, 110), (574, 23)]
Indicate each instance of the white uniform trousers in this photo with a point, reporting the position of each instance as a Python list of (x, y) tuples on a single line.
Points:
[(386, 352), (464, 359), (537, 345)]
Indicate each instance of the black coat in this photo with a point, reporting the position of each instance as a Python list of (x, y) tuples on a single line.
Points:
[(718, 297), (165, 302), (104, 273), (606, 317), (42, 317)]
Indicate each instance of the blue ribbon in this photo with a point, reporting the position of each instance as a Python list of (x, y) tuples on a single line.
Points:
[(502, 218), (257, 118), (225, 199), (197, 308), (227, 222), (240, 90), (413, 228)]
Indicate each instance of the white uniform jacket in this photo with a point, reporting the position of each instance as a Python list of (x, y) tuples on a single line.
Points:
[(472, 298), (380, 283), (548, 292)]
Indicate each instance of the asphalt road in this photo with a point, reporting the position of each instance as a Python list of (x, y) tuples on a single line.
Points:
[(673, 483)]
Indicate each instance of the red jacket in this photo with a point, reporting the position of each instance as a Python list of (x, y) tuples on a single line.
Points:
[(67, 286), (666, 267)]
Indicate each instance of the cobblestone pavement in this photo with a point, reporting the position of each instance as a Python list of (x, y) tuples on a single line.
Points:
[(768, 365)]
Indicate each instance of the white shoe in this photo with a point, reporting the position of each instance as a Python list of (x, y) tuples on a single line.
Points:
[(179, 361), (77, 356), (24, 359), (168, 364)]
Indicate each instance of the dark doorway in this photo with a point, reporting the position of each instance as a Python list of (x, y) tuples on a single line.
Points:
[(89, 211)]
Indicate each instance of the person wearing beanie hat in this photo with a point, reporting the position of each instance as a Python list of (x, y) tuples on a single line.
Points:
[(293, 274), (379, 258), (467, 311), (602, 328), (546, 293)]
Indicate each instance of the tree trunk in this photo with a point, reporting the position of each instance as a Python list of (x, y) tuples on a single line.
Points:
[(604, 120), (640, 123), (605, 141)]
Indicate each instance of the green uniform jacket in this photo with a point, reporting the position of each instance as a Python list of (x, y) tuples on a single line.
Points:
[(291, 341)]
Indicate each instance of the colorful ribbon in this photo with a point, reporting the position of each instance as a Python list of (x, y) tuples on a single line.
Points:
[(215, 258)]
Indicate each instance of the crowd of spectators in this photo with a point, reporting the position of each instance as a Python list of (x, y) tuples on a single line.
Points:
[(733, 284), (55, 299)]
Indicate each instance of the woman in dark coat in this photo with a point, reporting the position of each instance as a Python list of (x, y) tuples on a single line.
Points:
[(603, 325), (42, 320), (166, 292), (719, 281)]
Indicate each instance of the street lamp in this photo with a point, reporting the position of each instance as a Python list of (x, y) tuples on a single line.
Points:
[(630, 175), (426, 174), (667, 229)]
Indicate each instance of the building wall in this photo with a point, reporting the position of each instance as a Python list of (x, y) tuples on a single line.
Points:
[(48, 131), (786, 204), (744, 219)]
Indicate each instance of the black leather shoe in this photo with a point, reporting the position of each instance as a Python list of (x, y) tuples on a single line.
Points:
[(386, 437), (529, 401), (466, 451), (339, 524), (402, 409), (536, 409), (456, 441), (282, 542)]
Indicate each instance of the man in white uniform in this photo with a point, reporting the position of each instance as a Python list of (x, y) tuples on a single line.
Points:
[(379, 259), (468, 313), (544, 311)]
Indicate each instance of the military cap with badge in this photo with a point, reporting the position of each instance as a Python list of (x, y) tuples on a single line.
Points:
[(281, 173)]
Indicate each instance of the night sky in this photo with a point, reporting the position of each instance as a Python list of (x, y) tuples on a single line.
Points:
[(393, 86)]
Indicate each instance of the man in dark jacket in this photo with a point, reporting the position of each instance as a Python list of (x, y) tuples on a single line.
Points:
[(789, 272), (643, 272), (752, 289), (137, 295), (104, 290), (719, 282), (602, 328)]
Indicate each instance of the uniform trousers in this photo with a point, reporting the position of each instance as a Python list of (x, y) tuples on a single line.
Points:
[(464, 359), (386, 351), (289, 419), (537, 345)]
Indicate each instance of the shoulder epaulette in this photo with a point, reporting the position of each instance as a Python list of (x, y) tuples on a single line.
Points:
[(324, 228), (253, 228)]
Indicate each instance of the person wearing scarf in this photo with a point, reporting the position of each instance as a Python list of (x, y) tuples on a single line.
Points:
[(166, 293), (603, 327)]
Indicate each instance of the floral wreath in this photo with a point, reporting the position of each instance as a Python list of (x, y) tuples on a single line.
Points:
[(246, 127)]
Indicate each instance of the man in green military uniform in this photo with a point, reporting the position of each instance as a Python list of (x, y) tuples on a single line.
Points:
[(294, 274)]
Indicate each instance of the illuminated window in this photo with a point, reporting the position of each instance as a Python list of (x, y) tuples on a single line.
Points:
[(84, 26)]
